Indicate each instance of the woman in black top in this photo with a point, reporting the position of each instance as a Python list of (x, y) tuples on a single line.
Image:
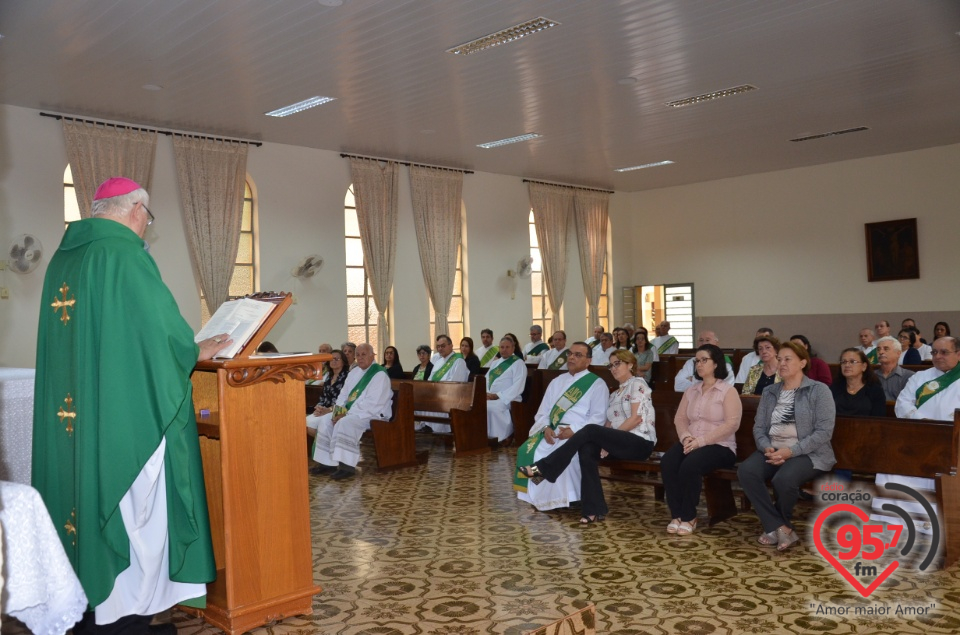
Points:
[(860, 392), (333, 384), (473, 362), (391, 361)]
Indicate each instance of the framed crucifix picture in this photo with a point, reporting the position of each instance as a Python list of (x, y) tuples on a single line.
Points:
[(892, 252)]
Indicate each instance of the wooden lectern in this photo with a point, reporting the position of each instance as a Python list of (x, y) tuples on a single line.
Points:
[(255, 467)]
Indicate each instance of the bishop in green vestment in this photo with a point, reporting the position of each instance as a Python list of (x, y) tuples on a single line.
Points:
[(114, 358)]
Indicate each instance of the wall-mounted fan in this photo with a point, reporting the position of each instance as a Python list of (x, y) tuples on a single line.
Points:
[(523, 270), (307, 267), (25, 253)]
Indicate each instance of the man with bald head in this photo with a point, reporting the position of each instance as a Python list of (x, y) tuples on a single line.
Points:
[(664, 343), (685, 377), (366, 395)]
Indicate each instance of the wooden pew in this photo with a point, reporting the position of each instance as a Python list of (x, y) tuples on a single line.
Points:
[(394, 440), (466, 402)]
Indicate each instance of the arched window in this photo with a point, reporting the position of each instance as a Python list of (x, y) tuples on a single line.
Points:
[(361, 309), (541, 301)]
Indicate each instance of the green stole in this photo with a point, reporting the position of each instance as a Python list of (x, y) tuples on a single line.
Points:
[(666, 345), (358, 389), (500, 369), (595, 344), (873, 357), (489, 355), (539, 348), (934, 386), (438, 374), (566, 401), (727, 359), (559, 361)]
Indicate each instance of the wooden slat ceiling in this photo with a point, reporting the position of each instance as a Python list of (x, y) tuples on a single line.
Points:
[(890, 65)]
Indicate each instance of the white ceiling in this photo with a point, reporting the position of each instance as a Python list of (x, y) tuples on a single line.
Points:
[(890, 65)]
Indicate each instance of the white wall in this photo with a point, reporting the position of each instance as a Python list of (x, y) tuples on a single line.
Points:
[(300, 210)]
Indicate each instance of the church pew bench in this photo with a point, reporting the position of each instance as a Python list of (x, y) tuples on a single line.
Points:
[(466, 403), (394, 440)]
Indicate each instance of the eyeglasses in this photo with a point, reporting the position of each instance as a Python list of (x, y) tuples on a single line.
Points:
[(149, 214), (701, 360), (617, 364), (576, 355), (942, 352), (850, 362)]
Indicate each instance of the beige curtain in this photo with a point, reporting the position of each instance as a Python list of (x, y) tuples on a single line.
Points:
[(437, 198), (591, 222), (97, 152), (375, 189), (551, 208), (211, 176)]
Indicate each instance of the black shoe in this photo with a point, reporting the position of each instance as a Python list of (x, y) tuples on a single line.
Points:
[(163, 629), (322, 469), (341, 474)]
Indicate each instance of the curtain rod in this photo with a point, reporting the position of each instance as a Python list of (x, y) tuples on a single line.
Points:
[(169, 133), (344, 155), (572, 187)]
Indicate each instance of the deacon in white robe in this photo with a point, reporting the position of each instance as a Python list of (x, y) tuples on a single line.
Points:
[(590, 409), (339, 432), (503, 388), (664, 343), (487, 352), (536, 342), (559, 343), (456, 370)]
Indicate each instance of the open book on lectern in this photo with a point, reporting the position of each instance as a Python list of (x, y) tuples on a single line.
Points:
[(239, 318)]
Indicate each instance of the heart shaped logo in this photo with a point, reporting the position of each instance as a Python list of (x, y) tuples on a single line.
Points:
[(818, 541)]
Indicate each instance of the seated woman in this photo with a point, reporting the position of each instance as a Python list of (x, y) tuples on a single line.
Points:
[(517, 349), (860, 393), (817, 369), (941, 329), (391, 361), (793, 428), (646, 354), (621, 339), (423, 370), (764, 373), (473, 362), (910, 355), (331, 388), (707, 421), (629, 434)]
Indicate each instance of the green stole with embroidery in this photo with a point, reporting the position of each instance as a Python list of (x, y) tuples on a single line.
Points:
[(666, 345), (489, 355), (567, 400), (500, 369), (929, 389), (539, 348), (559, 361), (358, 389), (873, 357), (438, 374)]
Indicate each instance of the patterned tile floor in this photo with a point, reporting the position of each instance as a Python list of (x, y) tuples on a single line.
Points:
[(447, 549)]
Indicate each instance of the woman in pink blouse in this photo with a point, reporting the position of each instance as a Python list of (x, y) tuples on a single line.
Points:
[(707, 421)]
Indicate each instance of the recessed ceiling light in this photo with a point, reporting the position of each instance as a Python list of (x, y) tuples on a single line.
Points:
[(151, 87), (510, 34), (299, 106), (726, 92), (503, 142), (627, 81), (830, 134), (645, 165)]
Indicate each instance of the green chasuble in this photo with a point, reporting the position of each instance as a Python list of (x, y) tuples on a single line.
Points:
[(114, 358)]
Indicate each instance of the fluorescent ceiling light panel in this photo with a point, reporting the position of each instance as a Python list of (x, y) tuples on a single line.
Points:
[(645, 165), (830, 134), (718, 94), (503, 142), (299, 106), (510, 34)]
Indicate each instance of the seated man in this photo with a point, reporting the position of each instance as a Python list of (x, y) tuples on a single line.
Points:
[(487, 351), (594, 340), (664, 343), (556, 357), (685, 377), (572, 401), (868, 345), (447, 366), (893, 377), (323, 349), (751, 359), (505, 382), (536, 346), (601, 354), (366, 395)]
